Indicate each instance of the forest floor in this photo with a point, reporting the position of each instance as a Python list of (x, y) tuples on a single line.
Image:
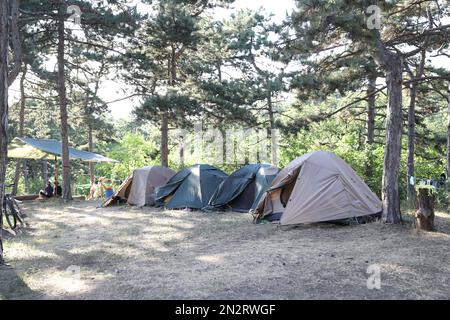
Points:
[(77, 251)]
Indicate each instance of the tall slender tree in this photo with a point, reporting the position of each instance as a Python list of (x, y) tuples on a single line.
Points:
[(21, 124), (326, 26), (101, 24), (9, 38), (64, 126), (162, 50), (3, 109)]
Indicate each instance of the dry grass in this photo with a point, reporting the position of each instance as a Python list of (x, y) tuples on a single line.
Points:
[(128, 253)]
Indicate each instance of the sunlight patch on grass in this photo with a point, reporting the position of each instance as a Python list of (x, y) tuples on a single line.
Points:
[(213, 258), (23, 251)]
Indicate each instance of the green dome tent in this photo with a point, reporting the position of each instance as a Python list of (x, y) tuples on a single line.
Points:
[(242, 190), (190, 188)]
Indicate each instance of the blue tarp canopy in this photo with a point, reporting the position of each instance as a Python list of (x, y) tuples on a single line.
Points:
[(48, 149)]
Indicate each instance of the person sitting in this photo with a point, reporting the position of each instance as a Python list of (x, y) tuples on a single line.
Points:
[(47, 192)]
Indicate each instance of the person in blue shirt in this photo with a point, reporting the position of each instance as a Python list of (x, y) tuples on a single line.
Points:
[(47, 192)]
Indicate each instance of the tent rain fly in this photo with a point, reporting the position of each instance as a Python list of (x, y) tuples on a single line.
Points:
[(37, 149)]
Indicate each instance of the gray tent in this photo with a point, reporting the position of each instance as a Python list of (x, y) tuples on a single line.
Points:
[(242, 190), (139, 188), (190, 188), (317, 186)]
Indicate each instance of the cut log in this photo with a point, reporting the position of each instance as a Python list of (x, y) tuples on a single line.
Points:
[(425, 213)]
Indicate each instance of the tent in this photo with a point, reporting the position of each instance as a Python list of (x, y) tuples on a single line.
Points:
[(139, 188), (315, 187), (190, 188), (242, 190)]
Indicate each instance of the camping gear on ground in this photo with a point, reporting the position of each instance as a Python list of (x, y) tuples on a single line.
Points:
[(109, 192), (242, 190), (190, 188), (139, 188), (316, 187)]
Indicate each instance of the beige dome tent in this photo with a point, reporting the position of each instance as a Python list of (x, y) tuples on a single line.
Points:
[(139, 188), (315, 187)]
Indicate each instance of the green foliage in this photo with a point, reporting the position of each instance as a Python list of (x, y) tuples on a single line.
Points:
[(132, 152), (443, 197), (179, 107)]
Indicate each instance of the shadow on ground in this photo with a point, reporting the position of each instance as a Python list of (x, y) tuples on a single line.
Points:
[(77, 251)]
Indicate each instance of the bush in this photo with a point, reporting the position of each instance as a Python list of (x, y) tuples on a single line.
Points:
[(443, 197)]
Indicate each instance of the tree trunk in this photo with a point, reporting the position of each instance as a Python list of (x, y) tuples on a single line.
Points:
[(448, 132), (182, 148), (223, 132), (91, 149), (272, 134), (425, 214), (89, 109), (21, 126), (25, 176), (165, 140), (370, 123), (411, 144), (165, 115), (3, 109), (67, 193), (45, 172), (393, 65), (412, 129)]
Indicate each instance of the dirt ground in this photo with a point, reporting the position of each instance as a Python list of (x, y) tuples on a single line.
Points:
[(77, 251)]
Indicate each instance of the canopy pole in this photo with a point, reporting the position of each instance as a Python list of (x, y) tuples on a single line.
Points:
[(56, 175)]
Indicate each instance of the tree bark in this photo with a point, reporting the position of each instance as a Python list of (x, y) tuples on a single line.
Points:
[(412, 128), (393, 64), (89, 109), (165, 140), (21, 125), (3, 110), (272, 135), (67, 193), (411, 144), (165, 114), (223, 132), (14, 41), (25, 175), (425, 214), (45, 172), (448, 131), (370, 123), (182, 145), (91, 149)]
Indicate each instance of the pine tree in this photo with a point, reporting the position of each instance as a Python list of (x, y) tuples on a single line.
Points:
[(324, 26), (100, 22), (161, 51)]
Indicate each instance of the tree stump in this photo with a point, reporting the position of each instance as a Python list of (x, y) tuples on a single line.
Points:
[(425, 214)]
